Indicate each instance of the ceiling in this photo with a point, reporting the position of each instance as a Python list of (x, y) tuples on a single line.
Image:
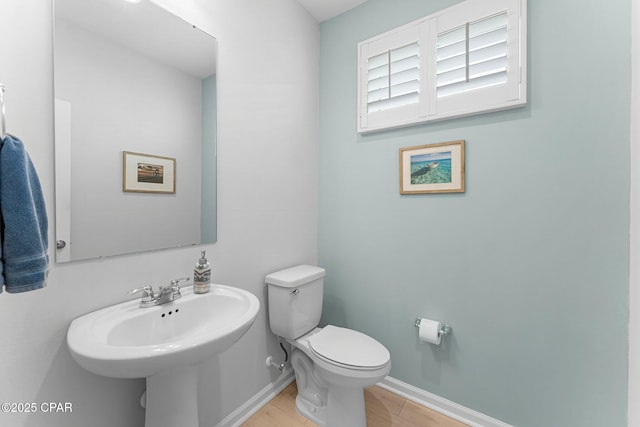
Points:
[(145, 28), (327, 9)]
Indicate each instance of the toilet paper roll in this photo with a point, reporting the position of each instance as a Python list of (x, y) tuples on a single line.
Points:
[(429, 331)]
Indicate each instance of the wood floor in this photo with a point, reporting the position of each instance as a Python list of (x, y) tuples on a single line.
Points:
[(384, 409)]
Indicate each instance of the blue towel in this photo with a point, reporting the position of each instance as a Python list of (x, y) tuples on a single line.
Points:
[(25, 258)]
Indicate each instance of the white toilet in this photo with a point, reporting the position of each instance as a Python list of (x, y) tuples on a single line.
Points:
[(332, 365)]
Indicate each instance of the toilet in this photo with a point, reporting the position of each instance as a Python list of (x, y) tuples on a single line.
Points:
[(332, 365)]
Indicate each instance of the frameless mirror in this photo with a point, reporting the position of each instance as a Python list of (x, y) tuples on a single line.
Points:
[(135, 129)]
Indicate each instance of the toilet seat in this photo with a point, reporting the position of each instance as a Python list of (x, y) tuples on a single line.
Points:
[(346, 347)]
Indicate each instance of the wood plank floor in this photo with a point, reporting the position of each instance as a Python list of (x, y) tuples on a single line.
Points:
[(383, 408)]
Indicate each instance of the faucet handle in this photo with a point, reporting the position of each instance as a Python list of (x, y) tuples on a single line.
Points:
[(175, 283), (147, 292)]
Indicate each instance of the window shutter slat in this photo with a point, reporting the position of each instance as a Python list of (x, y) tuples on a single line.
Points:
[(451, 77), (388, 104), (482, 69), (410, 75), (404, 88), (488, 54), (450, 37), (378, 73), (401, 53), (374, 85), (405, 64), (451, 50), (377, 95), (488, 24), (488, 39), (378, 61), (475, 84), (450, 64)]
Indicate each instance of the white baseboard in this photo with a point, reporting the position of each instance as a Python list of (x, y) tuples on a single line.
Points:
[(440, 404), (251, 406), (415, 394)]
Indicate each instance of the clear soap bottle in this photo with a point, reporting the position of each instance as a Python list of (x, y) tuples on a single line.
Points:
[(202, 275)]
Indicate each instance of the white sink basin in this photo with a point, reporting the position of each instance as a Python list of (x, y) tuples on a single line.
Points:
[(126, 341), (162, 343)]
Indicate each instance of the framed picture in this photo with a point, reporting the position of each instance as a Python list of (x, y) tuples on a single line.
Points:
[(146, 173), (433, 168)]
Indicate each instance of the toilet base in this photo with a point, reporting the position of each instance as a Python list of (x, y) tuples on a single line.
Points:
[(316, 414), (346, 407)]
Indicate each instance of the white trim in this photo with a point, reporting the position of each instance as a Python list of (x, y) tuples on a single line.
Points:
[(440, 404), (63, 177), (253, 405), (633, 410)]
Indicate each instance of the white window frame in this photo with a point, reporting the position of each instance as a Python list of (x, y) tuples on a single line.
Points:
[(425, 31)]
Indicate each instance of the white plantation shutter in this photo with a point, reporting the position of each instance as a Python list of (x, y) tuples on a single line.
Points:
[(393, 78), (466, 59), (479, 48), (472, 56)]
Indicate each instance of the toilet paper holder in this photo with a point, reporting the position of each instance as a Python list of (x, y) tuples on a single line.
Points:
[(443, 332)]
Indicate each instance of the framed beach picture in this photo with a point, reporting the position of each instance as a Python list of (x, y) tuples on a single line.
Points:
[(146, 173), (433, 168)]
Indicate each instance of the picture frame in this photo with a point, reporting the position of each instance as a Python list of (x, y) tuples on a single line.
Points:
[(433, 168), (148, 173)]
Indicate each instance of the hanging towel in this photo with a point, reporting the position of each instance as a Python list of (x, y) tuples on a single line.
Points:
[(24, 226)]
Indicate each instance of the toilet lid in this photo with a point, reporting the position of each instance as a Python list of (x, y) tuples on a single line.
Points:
[(348, 347)]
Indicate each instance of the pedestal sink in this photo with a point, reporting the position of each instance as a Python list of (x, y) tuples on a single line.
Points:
[(163, 343)]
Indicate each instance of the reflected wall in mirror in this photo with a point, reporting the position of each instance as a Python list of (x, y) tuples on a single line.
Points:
[(131, 78)]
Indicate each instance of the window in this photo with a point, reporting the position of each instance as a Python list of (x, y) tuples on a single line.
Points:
[(467, 59)]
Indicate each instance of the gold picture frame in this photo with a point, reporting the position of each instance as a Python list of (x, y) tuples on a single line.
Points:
[(432, 168), (147, 173)]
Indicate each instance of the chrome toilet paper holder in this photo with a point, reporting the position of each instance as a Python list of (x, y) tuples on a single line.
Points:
[(443, 332)]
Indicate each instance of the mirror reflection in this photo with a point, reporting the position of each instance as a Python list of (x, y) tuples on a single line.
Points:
[(135, 129)]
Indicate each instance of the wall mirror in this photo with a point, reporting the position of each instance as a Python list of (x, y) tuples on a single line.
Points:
[(135, 129)]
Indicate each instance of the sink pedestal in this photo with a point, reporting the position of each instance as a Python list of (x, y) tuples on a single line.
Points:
[(172, 398)]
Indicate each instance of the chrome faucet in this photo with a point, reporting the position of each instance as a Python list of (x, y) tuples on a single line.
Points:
[(164, 295)]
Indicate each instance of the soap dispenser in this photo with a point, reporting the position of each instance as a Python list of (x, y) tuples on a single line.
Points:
[(202, 275)]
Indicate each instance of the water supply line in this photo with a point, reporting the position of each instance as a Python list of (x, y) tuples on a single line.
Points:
[(281, 367)]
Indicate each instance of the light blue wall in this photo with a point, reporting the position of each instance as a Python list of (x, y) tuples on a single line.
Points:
[(530, 265)]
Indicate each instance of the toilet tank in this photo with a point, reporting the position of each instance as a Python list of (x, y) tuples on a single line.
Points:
[(295, 300)]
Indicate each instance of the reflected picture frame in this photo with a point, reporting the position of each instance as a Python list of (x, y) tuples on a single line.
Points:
[(433, 168), (148, 173)]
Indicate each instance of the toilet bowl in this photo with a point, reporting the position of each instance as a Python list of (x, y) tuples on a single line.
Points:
[(332, 365)]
